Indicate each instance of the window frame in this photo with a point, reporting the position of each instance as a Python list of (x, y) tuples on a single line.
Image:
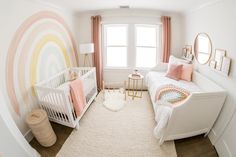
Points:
[(131, 44), (156, 26), (104, 45)]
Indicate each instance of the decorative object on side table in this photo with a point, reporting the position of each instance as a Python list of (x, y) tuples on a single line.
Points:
[(135, 89), (136, 73)]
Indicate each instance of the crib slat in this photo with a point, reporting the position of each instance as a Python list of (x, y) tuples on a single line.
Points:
[(50, 101), (63, 112), (47, 107), (54, 99), (56, 102), (63, 108)]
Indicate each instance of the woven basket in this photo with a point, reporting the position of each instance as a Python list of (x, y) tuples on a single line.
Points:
[(38, 121)]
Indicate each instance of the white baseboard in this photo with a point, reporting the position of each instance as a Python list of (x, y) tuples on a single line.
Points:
[(29, 135), (223, 149), (213, 137)]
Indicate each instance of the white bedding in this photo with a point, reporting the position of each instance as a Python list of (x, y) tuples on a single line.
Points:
[(154, 81)]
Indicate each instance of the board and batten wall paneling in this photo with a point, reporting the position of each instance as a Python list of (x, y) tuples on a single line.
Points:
[(219, 21), (37, 42), (130, 16)]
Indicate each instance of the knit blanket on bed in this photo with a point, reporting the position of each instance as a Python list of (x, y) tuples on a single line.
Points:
[(171, 93), (166, 97)]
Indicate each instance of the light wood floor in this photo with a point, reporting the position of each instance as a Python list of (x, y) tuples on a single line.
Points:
[(197, 146)]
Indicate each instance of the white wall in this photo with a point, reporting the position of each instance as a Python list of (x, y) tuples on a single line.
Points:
[(219, 21), (12, 142), (129, 16), (12, 14)]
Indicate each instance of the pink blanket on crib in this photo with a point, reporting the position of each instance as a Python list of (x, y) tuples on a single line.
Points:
[(77, 95)]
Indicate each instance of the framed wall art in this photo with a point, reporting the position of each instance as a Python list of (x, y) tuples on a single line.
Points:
[(219, 54), (225, 65)]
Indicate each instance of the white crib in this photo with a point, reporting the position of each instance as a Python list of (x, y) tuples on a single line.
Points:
[(54, 95)]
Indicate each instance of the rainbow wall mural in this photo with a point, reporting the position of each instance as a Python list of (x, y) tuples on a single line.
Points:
[(42, 46)]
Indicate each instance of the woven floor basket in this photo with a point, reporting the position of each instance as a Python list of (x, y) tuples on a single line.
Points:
[(38, 121)]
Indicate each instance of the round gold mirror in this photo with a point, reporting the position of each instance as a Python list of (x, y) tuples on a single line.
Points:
[(202, 48)]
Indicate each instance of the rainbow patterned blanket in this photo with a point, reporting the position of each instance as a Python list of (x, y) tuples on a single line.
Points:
[(171, 94)]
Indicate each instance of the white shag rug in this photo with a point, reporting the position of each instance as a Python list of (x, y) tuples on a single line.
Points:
[(127, 133), (114, 100)]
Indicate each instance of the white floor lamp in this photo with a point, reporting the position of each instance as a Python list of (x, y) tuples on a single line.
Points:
[(86, 49)]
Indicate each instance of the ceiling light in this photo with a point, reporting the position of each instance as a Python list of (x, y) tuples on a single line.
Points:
[(124, 7)]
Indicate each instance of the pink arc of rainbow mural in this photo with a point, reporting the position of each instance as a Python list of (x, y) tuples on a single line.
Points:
[(42, 46)]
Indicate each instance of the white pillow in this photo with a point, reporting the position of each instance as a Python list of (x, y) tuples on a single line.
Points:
[(174, 60), (160, 67)]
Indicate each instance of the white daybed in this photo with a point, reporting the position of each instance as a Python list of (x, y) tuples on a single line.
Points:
[(195, 115), (54, 95)]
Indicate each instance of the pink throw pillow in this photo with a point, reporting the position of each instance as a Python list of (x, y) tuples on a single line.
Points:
[(174, 71), (187, 71)]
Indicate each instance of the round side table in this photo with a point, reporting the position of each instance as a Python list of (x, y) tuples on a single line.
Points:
[(135, 86)]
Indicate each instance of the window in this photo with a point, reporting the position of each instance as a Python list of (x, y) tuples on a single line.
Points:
[(131, 45), (115, 45), (146, 45)]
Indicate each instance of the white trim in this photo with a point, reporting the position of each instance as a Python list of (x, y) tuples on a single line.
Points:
[(223, 149), (133, 12), (213, 136), (104, 44), (207, 4), (227, 148), (131, 44), (157, 46), (29, 135)]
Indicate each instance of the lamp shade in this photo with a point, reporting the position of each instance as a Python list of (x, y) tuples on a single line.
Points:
[(86, 48)]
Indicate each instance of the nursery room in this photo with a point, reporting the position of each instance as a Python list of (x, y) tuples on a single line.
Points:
[(127, 78)]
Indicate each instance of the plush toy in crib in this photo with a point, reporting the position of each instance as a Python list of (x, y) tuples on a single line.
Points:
[(71, 75)]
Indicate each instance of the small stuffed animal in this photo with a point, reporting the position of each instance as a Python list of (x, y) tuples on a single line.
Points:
[(72, 75)]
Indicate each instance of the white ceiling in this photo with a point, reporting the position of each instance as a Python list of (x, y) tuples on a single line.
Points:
[(163, 5)]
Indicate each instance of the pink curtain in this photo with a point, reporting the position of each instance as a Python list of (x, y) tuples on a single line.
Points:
[(166, 21), (97, 57)]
